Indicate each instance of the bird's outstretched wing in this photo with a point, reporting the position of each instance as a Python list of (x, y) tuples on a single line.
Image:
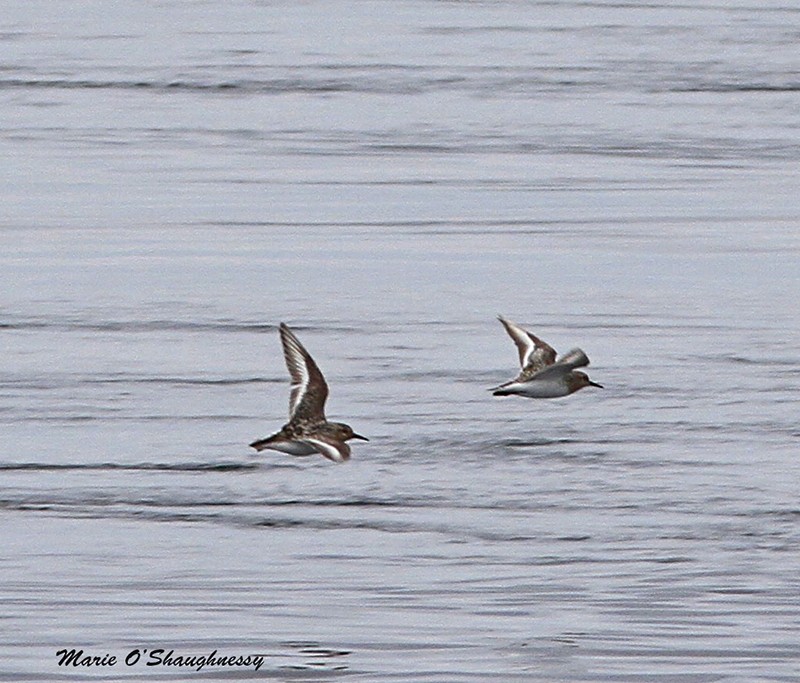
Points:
[(534, 354), (564, 365), (338, 451), (309, 390), (575, 358)]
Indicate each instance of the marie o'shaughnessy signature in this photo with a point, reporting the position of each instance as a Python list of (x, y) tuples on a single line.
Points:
[(157, 657)]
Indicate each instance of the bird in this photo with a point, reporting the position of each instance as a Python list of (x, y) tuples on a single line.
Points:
[(542, 376), (307, 431)]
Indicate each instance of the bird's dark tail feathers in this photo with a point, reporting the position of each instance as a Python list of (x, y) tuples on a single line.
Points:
[(261, 444)]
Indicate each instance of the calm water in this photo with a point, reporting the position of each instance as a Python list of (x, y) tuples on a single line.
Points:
[(178, 177)]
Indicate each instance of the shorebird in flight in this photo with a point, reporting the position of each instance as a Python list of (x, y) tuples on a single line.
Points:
[(307, 430), (542, 376)]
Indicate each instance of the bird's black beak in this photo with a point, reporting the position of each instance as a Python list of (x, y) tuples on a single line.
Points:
[(595, 384), (358, 436)]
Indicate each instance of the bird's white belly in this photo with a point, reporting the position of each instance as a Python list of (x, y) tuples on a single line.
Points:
[(293, 448), (540, 389)]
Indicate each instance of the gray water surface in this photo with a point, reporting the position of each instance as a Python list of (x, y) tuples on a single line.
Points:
[(179, 177)]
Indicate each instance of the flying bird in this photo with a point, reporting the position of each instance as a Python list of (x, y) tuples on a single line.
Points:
[(307, 430), (542, 376)]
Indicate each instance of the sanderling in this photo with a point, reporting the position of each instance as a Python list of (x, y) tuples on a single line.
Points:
[(307, 430), (542, 376)]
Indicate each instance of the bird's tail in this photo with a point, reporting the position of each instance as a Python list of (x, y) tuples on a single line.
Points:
[(502, 389), (261, 444)]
